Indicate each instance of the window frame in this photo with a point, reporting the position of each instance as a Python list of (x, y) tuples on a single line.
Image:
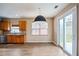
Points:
[(39, 30)]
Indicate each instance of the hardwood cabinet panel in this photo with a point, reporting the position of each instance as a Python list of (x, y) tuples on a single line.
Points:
[(18, 40), (22, 25), (9, 39), (0, 25), (15, 38), (5, 25), (22, 38)]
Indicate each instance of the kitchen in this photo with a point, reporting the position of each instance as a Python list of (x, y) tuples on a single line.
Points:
[(10, 30), (22, 34)]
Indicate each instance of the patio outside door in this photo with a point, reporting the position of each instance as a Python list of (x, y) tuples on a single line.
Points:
[(67, 32)]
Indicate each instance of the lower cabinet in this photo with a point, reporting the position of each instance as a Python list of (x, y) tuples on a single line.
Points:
[(15, 38)]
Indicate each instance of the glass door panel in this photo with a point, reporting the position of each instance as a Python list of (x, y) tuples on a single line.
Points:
[(68, 33), (61, 32)]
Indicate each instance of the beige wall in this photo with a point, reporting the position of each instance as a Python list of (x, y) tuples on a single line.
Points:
[(32, 38)]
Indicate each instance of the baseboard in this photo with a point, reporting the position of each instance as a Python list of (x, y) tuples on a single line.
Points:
[(33, 43), (64, 50), (41, 43), (37, 42), (54, 43)]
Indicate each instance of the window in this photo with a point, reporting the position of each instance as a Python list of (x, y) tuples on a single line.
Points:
[(15, 29), (40, 28)]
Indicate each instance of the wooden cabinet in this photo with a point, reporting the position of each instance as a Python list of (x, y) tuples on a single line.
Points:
[(10, 39), (5, 25), (22, 25), (15, 38), (0, 25)]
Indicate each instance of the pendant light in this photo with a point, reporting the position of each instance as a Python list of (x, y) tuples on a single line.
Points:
[(40, 17)]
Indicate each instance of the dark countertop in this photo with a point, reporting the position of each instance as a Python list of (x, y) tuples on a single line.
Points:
[(15, 34), (9, 33)]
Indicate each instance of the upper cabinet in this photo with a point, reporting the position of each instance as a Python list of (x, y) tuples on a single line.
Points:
[(22, 25), (5, 25), (0, 25)]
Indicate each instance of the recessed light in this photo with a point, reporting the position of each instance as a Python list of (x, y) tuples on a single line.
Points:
[(56, 6), (16, 14)]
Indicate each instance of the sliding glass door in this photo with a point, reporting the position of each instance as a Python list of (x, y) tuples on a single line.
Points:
[(61, 32), (67, 37), (68, 33)]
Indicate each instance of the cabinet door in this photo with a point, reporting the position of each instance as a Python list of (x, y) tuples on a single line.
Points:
[(22, 38), (0, 25), (13, 39), (22, 25), (9, 39), (17, 39), (5, 25)]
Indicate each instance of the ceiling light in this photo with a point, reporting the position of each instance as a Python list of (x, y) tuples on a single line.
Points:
[(40, 17), (56, 6), (16, 15)]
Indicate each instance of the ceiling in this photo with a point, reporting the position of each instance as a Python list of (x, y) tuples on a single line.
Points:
[(16, 10)]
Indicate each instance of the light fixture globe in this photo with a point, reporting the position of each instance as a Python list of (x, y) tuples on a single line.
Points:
[(40, 18)]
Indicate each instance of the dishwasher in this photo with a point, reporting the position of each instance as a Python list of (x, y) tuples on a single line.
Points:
[(3, 39)]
